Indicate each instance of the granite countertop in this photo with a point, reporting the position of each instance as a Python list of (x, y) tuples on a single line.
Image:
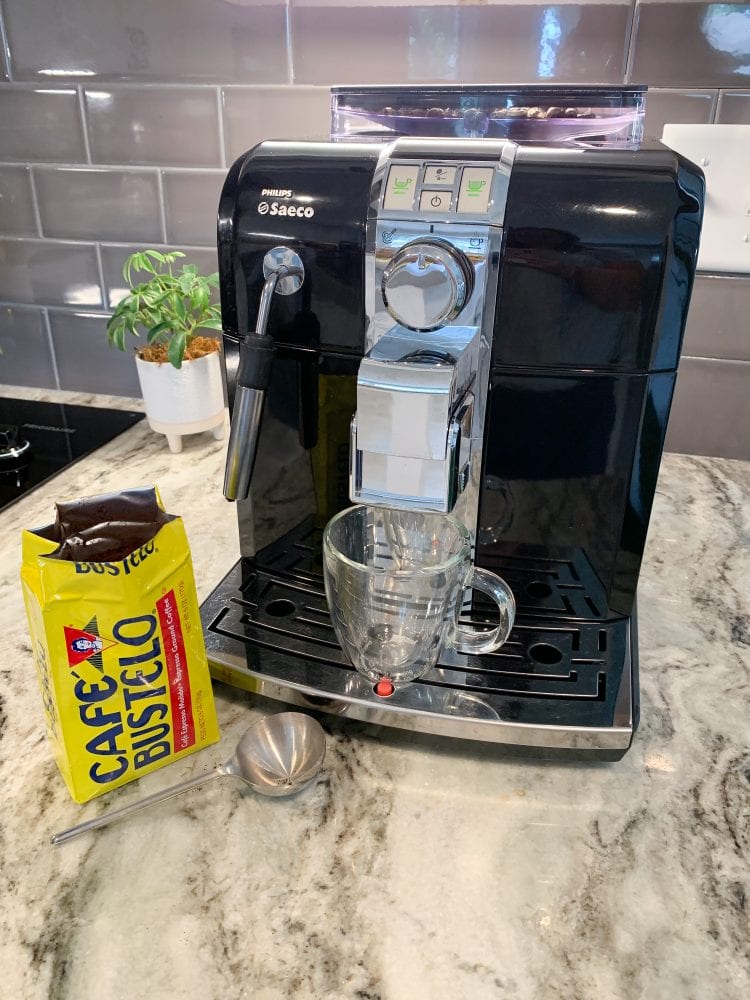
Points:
[(414, 867)]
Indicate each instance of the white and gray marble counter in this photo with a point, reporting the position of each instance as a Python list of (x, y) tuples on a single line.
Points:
[(413, 868)]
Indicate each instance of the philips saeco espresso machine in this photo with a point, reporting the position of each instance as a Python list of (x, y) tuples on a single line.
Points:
[(467, 326)]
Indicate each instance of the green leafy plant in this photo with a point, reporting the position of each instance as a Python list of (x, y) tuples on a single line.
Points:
[(170, 308)]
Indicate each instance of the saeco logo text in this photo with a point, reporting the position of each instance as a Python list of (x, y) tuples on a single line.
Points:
[(295, 211), (275, 208)]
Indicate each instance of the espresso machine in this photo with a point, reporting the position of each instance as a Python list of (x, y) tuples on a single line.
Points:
[(465, 326)]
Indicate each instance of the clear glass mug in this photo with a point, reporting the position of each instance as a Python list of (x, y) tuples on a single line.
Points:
[(395, 583)]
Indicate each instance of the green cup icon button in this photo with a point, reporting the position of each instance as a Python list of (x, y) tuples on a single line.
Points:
[(400, 186), (475, 191)]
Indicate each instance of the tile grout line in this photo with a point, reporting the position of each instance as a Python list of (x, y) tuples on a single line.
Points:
[(630, 40), (162, 208), (134, 168), (716, 105), (54, 306), (717, 361), (289, 48), (84, 124), (70, 241), (222, 134), (35, 202), (6, 45), (69, 85), (51, 345), (60, 307), (100, 267)]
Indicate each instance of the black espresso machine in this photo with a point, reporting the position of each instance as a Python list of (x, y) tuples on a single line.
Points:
[(465, 326)]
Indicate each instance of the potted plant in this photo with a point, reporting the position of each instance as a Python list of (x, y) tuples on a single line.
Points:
[(178, 366)]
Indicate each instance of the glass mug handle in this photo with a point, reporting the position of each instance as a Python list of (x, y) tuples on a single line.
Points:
[(468, 639)]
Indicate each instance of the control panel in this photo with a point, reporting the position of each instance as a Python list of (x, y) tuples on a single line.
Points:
[(444, 189), (439, 221)]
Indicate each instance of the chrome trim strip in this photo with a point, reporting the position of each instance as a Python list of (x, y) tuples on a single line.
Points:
[(415, 720), (418, 707)]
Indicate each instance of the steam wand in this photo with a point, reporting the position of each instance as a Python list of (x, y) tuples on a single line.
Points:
[(284, 274)]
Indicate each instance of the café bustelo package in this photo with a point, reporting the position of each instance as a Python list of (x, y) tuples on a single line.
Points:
[(116, 633)]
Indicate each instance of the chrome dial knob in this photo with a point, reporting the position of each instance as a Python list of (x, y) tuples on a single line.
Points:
[(427, 284)]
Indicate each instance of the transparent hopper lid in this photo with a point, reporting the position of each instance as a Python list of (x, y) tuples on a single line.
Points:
[(601, 116)]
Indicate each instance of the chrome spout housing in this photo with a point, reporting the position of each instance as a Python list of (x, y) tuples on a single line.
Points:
[(431, 285)]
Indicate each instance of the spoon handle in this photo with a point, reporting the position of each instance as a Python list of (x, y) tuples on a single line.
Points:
[(117, 814)]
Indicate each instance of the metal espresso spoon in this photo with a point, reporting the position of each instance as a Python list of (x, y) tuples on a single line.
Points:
[(277, 756)]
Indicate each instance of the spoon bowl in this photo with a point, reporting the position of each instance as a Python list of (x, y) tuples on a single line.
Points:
[(279, 755)]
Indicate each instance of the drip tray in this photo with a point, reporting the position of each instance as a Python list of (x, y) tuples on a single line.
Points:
[(560, 684)]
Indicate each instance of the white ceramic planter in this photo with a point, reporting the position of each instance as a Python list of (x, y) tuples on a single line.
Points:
[(185, 400)]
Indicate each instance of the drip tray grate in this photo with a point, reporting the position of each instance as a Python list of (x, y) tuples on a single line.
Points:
[(274, 626)]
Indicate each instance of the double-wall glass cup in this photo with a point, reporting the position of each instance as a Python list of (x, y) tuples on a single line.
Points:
[(395, 582)]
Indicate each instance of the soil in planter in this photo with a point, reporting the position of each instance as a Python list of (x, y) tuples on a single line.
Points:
[(198, 348)]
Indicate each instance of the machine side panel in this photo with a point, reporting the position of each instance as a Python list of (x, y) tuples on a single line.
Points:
[(599, 259)]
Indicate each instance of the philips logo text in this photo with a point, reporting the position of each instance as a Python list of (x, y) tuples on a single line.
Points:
[(276, 193)]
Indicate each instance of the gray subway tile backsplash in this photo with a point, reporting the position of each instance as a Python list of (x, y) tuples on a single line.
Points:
[(191, 202), (41, 124), (718, 323), (44, 273), (113, 257), (690, 44), (467, 43), (26, 357), (99, 203), (252, 114), (578, 43), (711, 409), (129, 113), (686, 107), (85, 360), (17, 216), (734, 106), (199, 41), (166, 126)]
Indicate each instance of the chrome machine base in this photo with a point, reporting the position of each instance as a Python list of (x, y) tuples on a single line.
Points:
[(569, 687)]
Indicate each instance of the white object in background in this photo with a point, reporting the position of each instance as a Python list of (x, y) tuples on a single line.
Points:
[(723, 153), (183, 401)]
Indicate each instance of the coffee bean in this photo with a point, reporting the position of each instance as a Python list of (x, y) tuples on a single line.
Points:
[(475, 120)]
